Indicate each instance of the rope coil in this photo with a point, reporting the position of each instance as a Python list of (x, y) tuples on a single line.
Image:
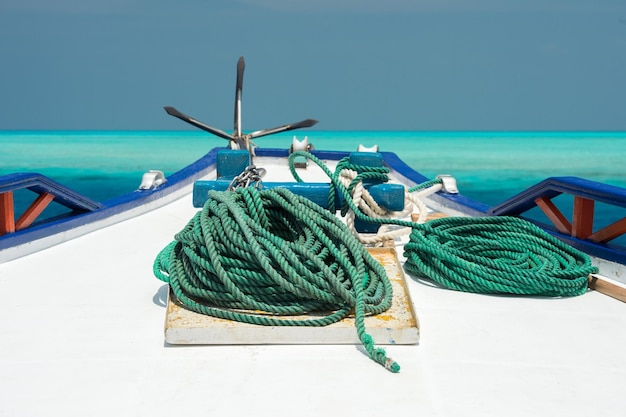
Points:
[(496, 255), (489, 255), (250, 255)]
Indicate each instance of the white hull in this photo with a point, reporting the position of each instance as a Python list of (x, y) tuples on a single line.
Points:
[(82, 333)]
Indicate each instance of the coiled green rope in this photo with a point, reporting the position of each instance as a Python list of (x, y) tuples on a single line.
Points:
[(496, 255), (250, 255), (491, 255)]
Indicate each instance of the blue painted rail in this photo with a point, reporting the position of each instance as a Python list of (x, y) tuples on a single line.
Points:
[(578, 231), (47, 190), (85, 215)]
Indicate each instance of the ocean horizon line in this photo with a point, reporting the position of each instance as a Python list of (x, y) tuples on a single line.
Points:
[(489, 166), (417, 131)]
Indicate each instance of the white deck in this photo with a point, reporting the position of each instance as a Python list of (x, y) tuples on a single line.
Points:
[(81, 334)]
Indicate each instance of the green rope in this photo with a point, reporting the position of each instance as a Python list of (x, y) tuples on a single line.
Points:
[(251, 255), (496, 255), (364, 173), (492, 255), (425, 184)]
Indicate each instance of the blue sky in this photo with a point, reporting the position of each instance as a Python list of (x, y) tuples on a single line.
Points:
[(374, 65)]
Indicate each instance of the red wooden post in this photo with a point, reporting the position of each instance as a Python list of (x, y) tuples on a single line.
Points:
[(609, 232), (582, 222), (553, 213), (7, 215), (34, 210)]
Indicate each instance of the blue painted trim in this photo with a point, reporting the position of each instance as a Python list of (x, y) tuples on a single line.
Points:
[(554, 186), (194, 171), (41, 184), (586, 188), (615, 253), (114, 206), (457, 202)]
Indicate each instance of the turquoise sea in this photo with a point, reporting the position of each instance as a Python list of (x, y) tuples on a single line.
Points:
[(489, 166)]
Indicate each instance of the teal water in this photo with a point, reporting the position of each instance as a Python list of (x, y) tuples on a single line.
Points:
[(489, 166)]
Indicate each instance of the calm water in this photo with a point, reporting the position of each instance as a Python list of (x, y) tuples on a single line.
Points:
[(489, 167)]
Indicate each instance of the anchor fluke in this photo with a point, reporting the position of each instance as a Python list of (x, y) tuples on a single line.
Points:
[(238, 140)]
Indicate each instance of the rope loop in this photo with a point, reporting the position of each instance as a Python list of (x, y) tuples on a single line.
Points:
[(490, 255), (496, 255), (264, 256)]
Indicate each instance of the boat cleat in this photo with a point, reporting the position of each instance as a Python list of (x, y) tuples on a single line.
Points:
[(449, 183), (152, 179)]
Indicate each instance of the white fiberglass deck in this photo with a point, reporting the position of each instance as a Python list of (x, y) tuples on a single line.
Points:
[(81, 334)]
